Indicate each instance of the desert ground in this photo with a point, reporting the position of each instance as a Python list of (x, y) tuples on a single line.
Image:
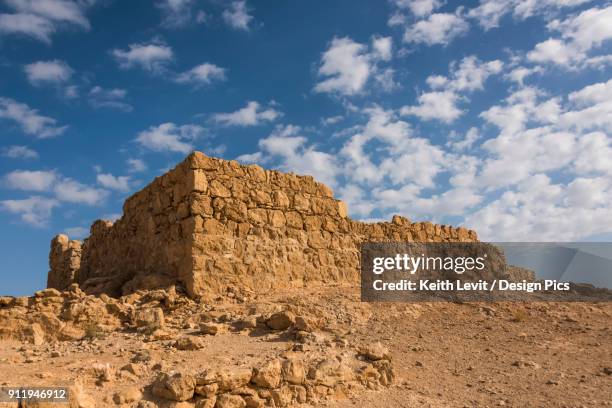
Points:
[(303, 348)]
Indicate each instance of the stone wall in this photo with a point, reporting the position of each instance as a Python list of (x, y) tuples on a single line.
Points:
[(64, 261), (214, 225)]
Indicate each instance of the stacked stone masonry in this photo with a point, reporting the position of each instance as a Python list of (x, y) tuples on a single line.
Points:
[(211, 224)]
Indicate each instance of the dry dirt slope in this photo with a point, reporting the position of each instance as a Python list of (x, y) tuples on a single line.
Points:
[(306, 348)]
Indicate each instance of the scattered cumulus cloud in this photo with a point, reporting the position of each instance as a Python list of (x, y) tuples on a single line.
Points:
[(48, 72), (579, 35), (57, 189), (441, 102), (420, 8), (34, 210), (332, 120), (19, 152), (202, 74), (99, 97), (169, 137), (382, 48), (237, 15), (136, 165), (286, 145), (175, 13), (119, 183), (347, 65), (438, 28), (72, 191), (489, 12), (30, 180), (440, 105), (29, 120), (150, 57), (39, 19), (252, 114)]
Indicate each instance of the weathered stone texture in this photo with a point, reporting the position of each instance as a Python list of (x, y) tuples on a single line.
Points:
[(64, 261), (212, 224)]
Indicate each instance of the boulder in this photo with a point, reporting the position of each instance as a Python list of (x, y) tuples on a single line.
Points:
[(281, 320), (269, 375), (176, 387)]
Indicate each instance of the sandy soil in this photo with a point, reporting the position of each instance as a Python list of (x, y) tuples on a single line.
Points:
[(443, 354)]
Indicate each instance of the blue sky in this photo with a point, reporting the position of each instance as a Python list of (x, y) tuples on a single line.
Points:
[(494, 114)]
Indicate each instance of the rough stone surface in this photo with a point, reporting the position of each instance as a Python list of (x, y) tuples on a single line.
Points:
[(64, 261), (212, 224), (175, 387)]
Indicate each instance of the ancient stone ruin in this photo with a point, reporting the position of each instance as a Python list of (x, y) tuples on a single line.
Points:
[(212, 224)]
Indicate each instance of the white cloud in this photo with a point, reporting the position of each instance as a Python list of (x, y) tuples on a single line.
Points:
[(34, 210), (237, 16), (435, 105), (347, 65), (109, 98), (70, 190), (54, 72), (169, 137), (251, 115), (150, 57), (202, 74), (545, 175), (556, 51), (471, 74), (595, 93), (465, 143), (30, 121), (286, 146), (19, 152), (419, 8), (489, 12), (579, 35), (519, 74), (39, 19), (30, 180), (175, 13), (331, 120), (540, 210), (382, 47), (119, 183), (587, 30), (65, 189), (439, 28), (136, 165), (593, 152), (27, 24)]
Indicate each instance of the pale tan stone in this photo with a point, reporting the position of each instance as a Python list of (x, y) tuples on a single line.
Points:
[(209, 223)]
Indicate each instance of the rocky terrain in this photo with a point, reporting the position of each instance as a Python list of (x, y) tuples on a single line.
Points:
[(304, 348), (229, 286)]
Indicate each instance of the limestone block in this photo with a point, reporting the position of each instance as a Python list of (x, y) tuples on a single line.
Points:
[(294, 219), (199, 181), (218, 189), (277, 218), (280, 199), (301, 203), (198, 160), (342, 210)]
